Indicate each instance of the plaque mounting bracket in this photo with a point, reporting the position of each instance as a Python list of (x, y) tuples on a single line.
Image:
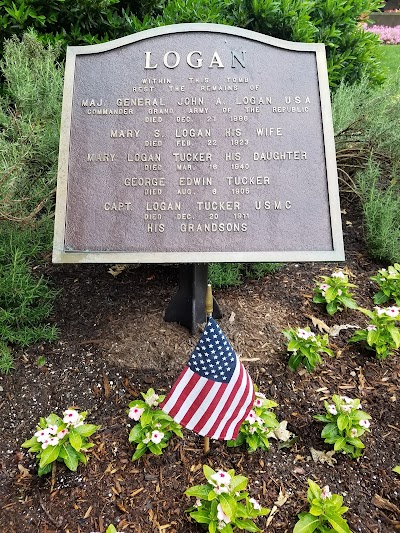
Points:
[(187, 306)]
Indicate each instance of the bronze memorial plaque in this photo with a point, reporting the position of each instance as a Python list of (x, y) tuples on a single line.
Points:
[(196, 143)]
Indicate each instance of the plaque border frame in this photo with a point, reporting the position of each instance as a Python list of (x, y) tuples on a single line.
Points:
[(60, 255)]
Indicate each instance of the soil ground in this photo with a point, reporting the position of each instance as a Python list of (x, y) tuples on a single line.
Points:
[(114, 344)]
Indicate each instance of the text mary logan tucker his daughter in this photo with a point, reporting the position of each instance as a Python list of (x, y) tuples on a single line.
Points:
[(197, 143)]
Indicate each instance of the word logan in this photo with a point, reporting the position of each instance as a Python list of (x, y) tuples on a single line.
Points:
[(194, 59)]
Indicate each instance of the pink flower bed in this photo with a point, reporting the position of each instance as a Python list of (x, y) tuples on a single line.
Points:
[(388, 35)]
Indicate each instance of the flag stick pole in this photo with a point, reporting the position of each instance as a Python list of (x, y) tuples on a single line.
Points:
[(209, 313)]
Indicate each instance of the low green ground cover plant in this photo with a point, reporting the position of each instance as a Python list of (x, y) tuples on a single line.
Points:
[(223, 504), (325, 514), (306, 347), (260, 422), (382, 335), (231, 274), (345, 423), (61, 439), (388, 281), (334, 292), (154, 428)]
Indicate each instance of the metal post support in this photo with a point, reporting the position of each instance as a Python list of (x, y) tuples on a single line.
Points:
[(187, 306)]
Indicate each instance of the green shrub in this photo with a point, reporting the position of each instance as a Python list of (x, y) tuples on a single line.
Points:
[(29, 127), (381, 208), (351, 51), (25, 300)]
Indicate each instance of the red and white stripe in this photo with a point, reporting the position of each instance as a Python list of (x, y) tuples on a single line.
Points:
[(208, 407)]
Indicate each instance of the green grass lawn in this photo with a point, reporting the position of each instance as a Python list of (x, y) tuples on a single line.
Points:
[(390, 56)]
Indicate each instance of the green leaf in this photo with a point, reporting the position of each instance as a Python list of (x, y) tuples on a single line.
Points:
[(138, 453), (330, 294), (75, 440), (339, 444), (338, 523), (146, 418), (331, 308), (111, 529), (31, 442), (313, 491), (69, 456), (380, 298), (247, 525), (202, 516), (330, 431), (45, 470), (293, 346), (208, 472), (49, 455), (198, 491), (136, 434), (395, 333), (238, 483), (343, 422), (322, 418), (294, 361), (228, 504), (348, 302), (307, 524), (354, 441), (86, 430), (396, 469)]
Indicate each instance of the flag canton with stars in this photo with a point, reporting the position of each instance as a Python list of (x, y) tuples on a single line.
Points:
[(213, 357)]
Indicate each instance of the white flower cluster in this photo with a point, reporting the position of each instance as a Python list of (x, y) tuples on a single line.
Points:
[(392, 312), (51, 435), (155, 436), (346, 407)]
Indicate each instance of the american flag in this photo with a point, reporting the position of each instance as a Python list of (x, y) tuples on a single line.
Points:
[(214, 393)]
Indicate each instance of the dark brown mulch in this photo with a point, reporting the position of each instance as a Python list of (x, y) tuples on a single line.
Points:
[(115, 344)]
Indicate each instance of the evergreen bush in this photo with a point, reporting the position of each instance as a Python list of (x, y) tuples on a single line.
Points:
[(351, 51)]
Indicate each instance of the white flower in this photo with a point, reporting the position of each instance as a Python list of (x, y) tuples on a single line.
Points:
[(221, 478), (135, 413), (325, 493), (221, 489), (255, 504), (260, 395), (157, 437), (197, 503), (252, 430), (53, 429), (340, 292), (379, 310), (354, 433), (304, 334), (45, 443), (346, 399), (251, 417), (371, 327), (346, 408), (364, 423), (332, 409), (338, 274), (53, 441), (324, 287), (221, 515), (72, 417), (61, 434), (392, 311), (42, 435), (258, 402), (152, 400)]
